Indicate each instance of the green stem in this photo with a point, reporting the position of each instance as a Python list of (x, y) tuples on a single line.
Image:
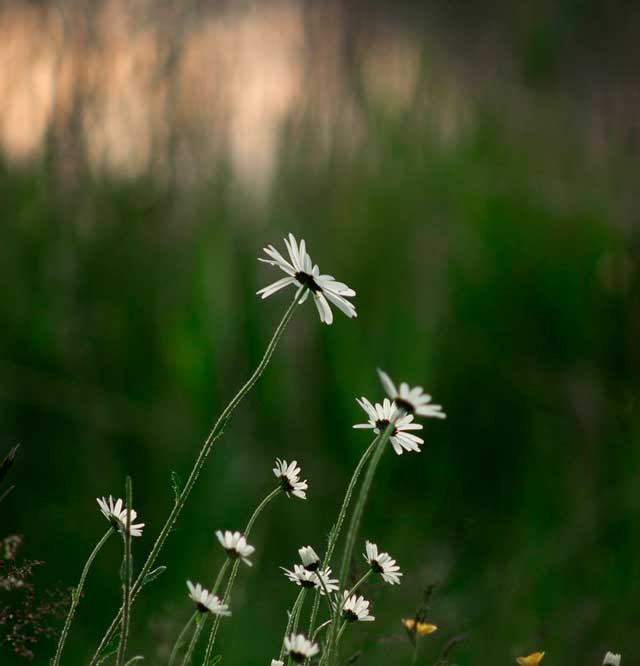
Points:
[(127, 571), (194, 640), (216, 432), (234, 573), (75, 597), (414, 659), (181, 637), (287, 631), (359, 583), (296, 620), (354, 525), (319, 629), (335, 532)]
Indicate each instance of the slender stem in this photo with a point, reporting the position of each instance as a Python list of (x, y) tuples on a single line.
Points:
[(181, 637), (335, 532), (234, 573), (127, 571), (327, 595), (296, 619), (216, 432), (287, 631), (75, 597), (342, 628), (220, 576), (414, 658), (320, 628), (194, 640), (354, 526), (359, 583)]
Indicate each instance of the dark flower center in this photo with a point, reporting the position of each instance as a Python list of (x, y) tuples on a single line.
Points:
[(404, 405), (375, 567), (307, 583), (298, 657), (381, 425), (201, 607), (232, 553), (349, 615), (312, 566), (308, 281), (285, 484)]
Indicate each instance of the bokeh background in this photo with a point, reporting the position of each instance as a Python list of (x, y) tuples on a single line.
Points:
[(471, 170)]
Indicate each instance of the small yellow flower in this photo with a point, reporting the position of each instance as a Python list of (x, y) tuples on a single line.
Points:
[(531, 660), (420, 628)]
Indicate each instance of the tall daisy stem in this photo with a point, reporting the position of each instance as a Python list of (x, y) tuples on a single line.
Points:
[(75, 596), (127, 570), (354, 589), (335, 532), (216, 432), (292, 613), (194, 640), (352, 532), (296, 619), (234, 573)]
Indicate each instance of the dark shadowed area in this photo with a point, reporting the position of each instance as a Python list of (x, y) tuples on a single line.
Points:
[(471, 171)]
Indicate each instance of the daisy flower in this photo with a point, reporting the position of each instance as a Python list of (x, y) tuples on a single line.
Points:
[(289, 476), (205, 601), (532, 659), (300, 648), (410, 400), (116, 514), (418, 627), (383, 564), (611, 658), (277, 662), (305, 578), (302, 272), (235, 545), (309, 558), (380, 415), (356, 609)]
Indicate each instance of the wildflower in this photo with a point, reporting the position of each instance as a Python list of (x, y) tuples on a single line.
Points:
[(277, 662), (300, 576), (611, 658), (116, 514), (382, 563), (235, 545), (289, 475), (305, 578), (356, 609), (309, 557), (300, 648), (205, 601), (410, 400), (302, 272), (418, 627), (380, 415), (532, 659)]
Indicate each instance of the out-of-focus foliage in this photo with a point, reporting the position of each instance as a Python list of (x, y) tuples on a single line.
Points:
[(498, 270)]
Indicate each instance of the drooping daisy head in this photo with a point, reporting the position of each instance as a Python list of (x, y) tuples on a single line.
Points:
[(116, 514), (383, 564), (410, 400), (302, 272), (300, 648), (309, 558), (418, 628), (305, 578), (235, 545), (356, 609), (381, 415), (289, 476), (611, 658), (532, 659), (205, 601)]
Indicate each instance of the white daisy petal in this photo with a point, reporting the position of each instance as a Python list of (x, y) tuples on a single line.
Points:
[(116, 514)]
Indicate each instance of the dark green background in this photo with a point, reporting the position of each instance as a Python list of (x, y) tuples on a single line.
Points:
[(499, 271)]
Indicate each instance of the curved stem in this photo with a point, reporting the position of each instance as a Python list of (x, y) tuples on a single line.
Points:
[(354, 526), (335, 532), (234, 573), (127, 571), (320, 628), (287, 631), (354, 589), (216, 432), (181, 637), (75, 597)]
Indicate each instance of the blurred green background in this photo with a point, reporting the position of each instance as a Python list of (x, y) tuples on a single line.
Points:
[(472, 174)]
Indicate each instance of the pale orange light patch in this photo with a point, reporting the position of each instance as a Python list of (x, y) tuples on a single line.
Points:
[(531, 660)]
